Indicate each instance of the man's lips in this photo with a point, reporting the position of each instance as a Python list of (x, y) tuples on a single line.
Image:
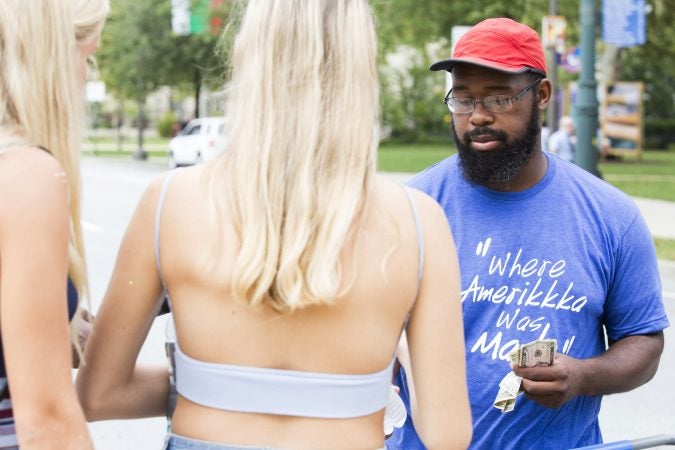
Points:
[(484, 142)]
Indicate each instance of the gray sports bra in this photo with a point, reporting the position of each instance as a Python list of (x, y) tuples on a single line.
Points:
[(279, 391)]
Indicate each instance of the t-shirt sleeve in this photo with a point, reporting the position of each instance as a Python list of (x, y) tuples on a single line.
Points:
[(634, 304)]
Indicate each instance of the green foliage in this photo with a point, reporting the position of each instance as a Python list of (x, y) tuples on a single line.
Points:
[(417, 23), (165, 125), (411, 98), (659, 133), (136, 47), (139, 51)]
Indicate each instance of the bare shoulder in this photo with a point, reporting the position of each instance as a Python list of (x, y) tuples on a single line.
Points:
[(173, 185), (29, 174), (22, 161), (392, 194), (153, 191), (34, 193), (178, 179)]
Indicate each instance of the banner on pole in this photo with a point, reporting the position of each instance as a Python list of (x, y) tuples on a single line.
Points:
[(553, 30), (624, 22)]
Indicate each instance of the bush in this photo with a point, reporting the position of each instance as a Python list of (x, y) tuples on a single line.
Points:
[(165, 125), (659, 133)]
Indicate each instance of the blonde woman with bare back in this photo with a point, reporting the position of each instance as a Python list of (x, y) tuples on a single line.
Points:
[(291, 266), (44, 47)]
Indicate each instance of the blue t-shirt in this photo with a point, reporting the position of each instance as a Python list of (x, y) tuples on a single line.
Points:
[(559, 260)]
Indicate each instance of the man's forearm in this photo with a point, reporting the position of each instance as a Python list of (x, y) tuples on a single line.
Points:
[(628, 363)]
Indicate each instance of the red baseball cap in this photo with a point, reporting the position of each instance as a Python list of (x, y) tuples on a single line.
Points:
[(501, 44)]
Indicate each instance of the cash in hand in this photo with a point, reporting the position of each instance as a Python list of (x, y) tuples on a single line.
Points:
[(541, 351)]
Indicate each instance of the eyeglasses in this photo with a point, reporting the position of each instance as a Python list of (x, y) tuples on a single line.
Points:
[(493, 103)]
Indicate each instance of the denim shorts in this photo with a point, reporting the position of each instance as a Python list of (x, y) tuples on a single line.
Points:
[(176, 442)]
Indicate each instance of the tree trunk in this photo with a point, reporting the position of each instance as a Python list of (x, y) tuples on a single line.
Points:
[(140, 152), (198, 88)]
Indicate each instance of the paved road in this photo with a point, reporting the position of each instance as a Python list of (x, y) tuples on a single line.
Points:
[(111, 190)]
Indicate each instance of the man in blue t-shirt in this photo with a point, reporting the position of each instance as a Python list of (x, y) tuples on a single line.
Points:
[(546, 251)]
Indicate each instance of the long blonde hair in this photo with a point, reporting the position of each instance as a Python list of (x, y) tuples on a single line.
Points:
[(302, 110), (41, 91)]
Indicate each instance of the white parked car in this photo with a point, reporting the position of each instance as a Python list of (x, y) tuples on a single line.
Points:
[(201, 140)]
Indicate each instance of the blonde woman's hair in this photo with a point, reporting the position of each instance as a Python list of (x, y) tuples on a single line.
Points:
[(42, 92), (302, 111)]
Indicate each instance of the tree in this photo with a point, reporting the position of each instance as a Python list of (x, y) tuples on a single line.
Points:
[(197, 58), (139, 53), (135, 52), (404, 24)]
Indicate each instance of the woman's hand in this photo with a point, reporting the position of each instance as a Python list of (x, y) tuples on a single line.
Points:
[(81, 325)]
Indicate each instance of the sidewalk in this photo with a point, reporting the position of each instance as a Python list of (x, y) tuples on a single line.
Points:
[(659, 215)]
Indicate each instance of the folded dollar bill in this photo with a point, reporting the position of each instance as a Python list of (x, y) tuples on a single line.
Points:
[(509, 389), (541, 351)]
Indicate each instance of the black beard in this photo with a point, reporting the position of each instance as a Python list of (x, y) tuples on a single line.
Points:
[(497, 167)]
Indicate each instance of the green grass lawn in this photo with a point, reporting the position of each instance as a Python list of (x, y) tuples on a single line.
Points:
[(652, 177), (412, 157), (665, 248)]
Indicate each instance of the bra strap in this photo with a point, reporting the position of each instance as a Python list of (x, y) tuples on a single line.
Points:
[(158, 221), (420, 238)]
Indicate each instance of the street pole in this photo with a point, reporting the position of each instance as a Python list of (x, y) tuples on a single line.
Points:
[(552, 111), (586, 108), (140, 153)]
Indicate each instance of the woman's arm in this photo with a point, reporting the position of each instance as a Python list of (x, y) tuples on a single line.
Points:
[(439, 403), (34, 235), (109, 383)]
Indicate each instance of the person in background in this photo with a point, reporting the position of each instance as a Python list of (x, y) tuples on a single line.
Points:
[(292, 267), (563, 141), (44, 48), (545, 134), (596, 275)]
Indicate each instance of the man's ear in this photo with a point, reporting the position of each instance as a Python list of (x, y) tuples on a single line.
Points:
[(544, 91)]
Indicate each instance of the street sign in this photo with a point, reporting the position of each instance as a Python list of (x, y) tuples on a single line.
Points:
[(623, 22), (553, 32), (571, 61), (180, 17), (199, 12), (95, 91)]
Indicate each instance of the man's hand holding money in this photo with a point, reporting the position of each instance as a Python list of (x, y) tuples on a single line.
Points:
[(551, 386), (535, 354)]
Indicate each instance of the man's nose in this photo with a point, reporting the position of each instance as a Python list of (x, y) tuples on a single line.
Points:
[(481, 116)]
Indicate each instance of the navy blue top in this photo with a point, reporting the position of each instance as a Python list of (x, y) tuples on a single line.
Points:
[(72, 306)]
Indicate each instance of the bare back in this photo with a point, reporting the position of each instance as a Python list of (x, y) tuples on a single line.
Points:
[(356, 335)]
